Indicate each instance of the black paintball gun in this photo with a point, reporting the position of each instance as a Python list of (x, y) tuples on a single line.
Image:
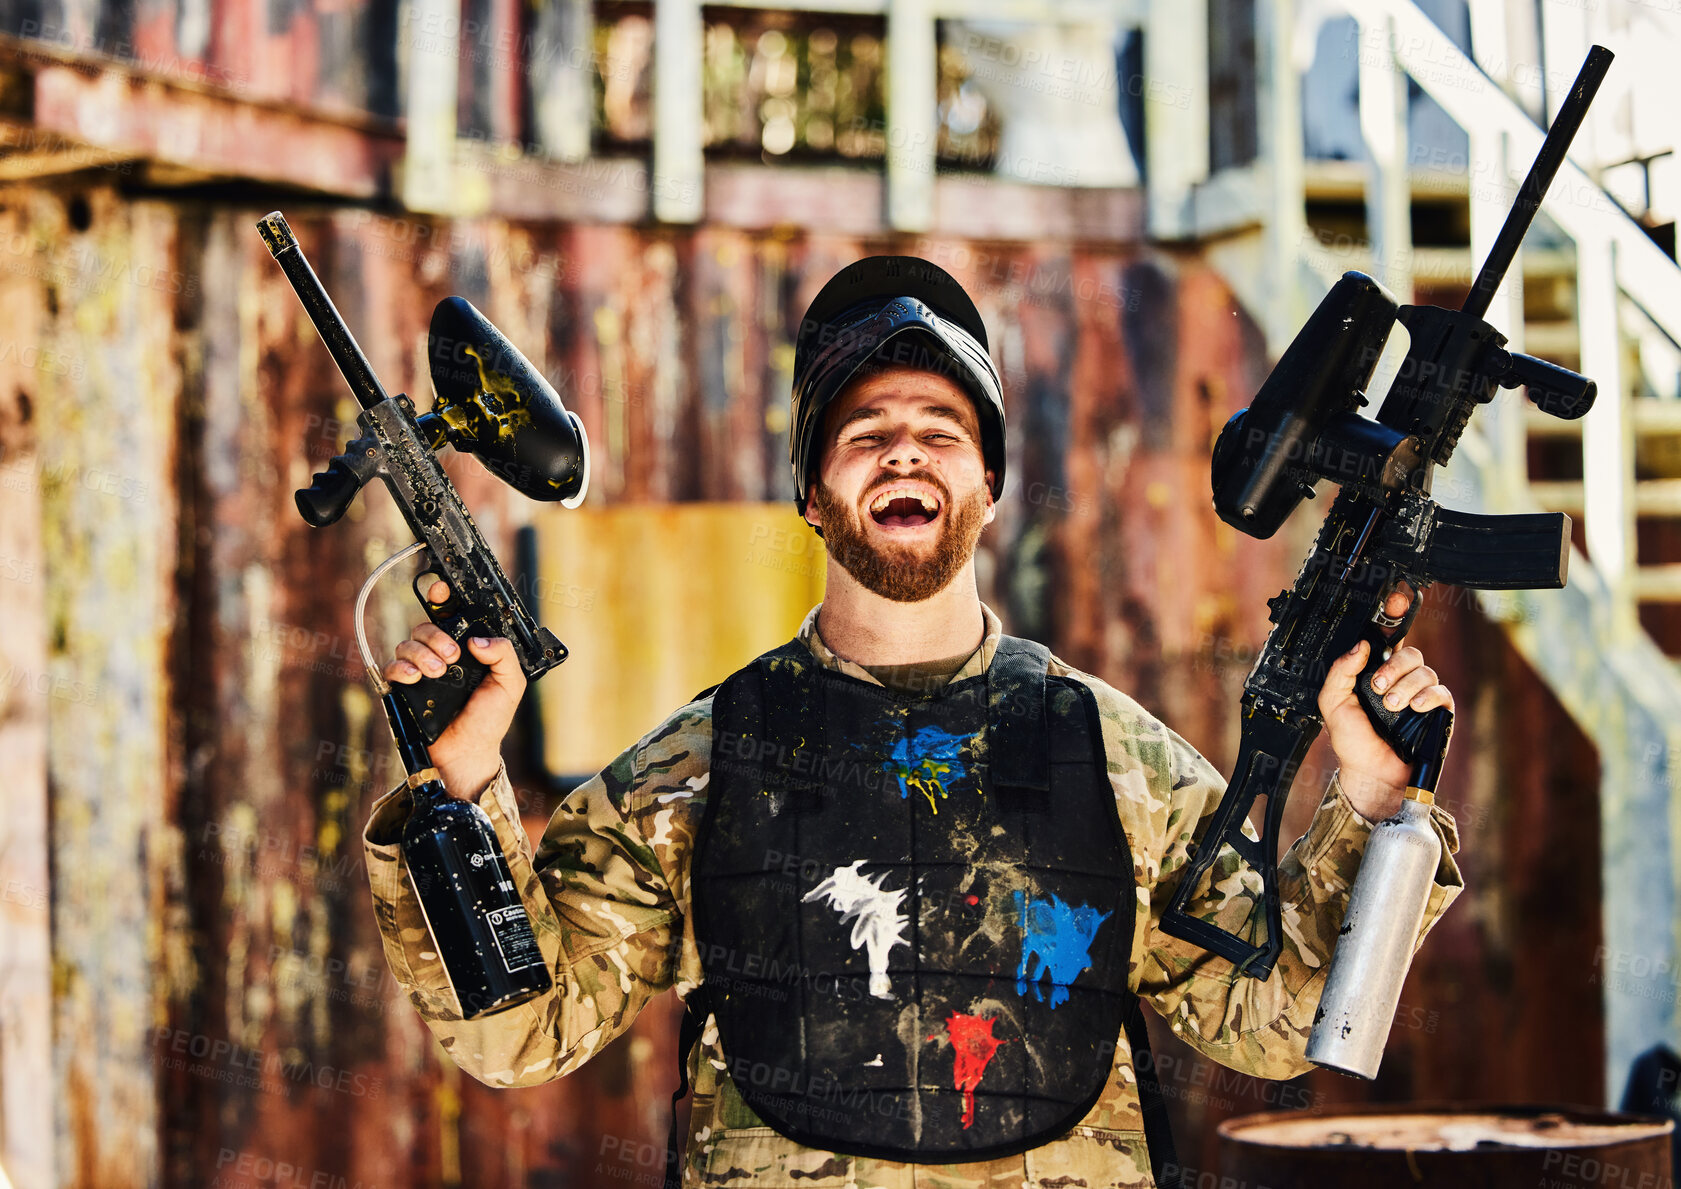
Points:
[(493, 404), (1381, 531)]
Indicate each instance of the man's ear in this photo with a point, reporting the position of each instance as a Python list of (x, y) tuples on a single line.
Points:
[(991, 504), (813, 517)]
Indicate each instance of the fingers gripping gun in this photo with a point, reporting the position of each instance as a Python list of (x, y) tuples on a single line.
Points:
[(491, 403), (1382, 529)]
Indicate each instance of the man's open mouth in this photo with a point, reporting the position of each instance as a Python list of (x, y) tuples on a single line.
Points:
[(900, 507)]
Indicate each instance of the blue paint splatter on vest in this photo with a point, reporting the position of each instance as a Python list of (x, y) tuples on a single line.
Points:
[(928, 761), (1056, 938)]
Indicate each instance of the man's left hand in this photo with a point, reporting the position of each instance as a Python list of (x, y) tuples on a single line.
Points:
[(1373, 776)]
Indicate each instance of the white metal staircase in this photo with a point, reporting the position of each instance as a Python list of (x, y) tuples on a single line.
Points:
[(1585, 641)]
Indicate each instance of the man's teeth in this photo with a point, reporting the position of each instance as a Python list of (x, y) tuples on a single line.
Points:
[(892, 493)]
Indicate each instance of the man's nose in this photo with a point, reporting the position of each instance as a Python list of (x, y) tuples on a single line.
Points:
[(902, 449)]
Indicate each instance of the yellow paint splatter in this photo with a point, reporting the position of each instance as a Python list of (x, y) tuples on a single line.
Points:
[(929, 778)]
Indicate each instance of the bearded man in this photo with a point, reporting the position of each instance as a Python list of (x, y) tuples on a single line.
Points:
[(905, 870)]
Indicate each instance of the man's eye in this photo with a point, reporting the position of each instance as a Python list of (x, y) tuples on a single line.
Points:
[(866, 437)]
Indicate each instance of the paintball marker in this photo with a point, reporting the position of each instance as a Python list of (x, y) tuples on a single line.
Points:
[(490, 403), (493, 404), (1381, 530)]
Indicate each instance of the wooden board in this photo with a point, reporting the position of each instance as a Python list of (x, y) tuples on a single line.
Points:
[(657, 602)]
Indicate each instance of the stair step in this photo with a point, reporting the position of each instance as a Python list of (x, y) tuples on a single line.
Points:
[(1657, 584), (1652, 497), (1655, 417), (1449, 266), (1453, 265), (1326, 180), (1558, 495), (1559, 341), (1652, 418)]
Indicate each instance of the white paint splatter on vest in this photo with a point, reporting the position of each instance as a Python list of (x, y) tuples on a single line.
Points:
[(877, 922)]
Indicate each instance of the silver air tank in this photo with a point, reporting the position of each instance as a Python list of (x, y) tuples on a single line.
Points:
[(1380, 929)]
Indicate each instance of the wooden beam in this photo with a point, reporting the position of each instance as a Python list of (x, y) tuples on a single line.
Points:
[(912, 119), (1652, 417), (1607, 440), (679, 123), (430, 178), (1175, 113), (44, 163), (981, 208), (512, 185), (1502, 422), (1383, 128), (844, 199), (128, 115), (1346, 181), (847, 201), (980, 10), (560, 68), (26, 1013), (1279, 101), (1657, 497)]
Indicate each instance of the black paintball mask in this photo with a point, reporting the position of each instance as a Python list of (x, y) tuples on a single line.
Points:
[(887, 311)]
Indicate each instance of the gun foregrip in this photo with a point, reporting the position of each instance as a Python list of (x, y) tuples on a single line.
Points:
[(328, 495), (330, 491)]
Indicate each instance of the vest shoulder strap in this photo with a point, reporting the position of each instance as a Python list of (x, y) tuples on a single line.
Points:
[(1018, 749)]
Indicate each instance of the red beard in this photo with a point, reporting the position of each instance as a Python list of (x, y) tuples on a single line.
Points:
[(904, 573)]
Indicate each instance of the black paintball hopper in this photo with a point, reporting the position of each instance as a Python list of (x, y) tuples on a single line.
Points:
[(499, 408), (1269, 455)]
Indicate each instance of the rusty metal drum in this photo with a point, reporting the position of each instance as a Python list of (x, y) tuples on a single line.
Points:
[(1381, 1146)]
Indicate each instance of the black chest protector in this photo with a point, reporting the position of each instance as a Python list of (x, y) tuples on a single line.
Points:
[(914, 913)]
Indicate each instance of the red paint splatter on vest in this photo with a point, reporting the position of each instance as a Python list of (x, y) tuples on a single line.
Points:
[(972, 1045)]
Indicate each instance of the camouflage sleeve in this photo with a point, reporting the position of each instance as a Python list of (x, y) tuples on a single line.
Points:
[(1165, 793), (597, 892)]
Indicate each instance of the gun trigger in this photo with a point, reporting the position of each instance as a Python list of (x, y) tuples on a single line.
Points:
[(421, 594), (1384, 620)]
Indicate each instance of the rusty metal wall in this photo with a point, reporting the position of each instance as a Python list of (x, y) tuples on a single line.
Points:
[(328, 57), (190, 751)]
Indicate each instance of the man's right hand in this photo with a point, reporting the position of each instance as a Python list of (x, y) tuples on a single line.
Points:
[(469, 752)]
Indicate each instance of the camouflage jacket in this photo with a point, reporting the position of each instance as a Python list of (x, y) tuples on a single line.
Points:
[(608, 895)]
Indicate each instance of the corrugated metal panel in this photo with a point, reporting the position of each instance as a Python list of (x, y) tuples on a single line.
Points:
[(206, 800), (26, 999)]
